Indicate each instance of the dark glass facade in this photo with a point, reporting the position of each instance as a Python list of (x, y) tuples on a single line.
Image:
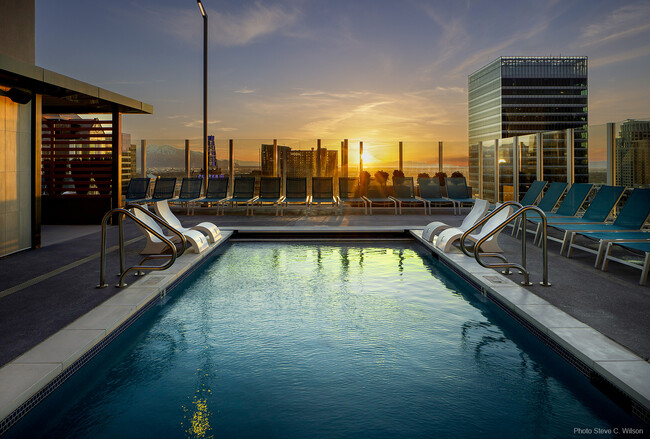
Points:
[(516, 96)]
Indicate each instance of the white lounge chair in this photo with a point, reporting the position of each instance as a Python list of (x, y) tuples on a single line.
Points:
[(477, 213), (447, 237), (155, 246), (207, 228)]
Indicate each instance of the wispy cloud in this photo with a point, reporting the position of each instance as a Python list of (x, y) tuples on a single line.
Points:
[(620, 57), (225, 28), (624, 22), (420, 114), (488, 53), (254, 22), (245, 90), (198, 123)]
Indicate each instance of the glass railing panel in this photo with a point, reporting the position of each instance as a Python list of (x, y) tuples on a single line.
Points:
[(454, 157), (474, 170), (632, 153), (419, 158), (505, 169), (554, 156), (489, 177), (597, 157), (527, 166)]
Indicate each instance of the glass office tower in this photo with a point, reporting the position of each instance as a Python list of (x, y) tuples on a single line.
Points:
[(517, 96)]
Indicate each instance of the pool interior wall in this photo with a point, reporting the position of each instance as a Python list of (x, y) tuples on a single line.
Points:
[(70, 396)]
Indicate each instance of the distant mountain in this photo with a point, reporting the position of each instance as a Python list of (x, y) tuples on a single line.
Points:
[(167, 156)]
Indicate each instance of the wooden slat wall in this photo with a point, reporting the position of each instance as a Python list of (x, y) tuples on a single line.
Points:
[(76, 158)]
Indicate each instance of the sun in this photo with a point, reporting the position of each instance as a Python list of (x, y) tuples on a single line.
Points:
[(367, 157)]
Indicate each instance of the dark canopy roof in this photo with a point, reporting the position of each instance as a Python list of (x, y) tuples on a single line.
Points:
[(62, 94)]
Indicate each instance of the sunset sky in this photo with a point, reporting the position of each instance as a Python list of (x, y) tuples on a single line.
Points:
[(378, 71)]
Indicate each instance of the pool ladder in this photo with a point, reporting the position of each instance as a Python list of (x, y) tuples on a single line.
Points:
[(121, 213), (520, 213)]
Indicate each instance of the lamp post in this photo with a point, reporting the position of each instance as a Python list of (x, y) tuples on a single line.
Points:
[(205, 96)]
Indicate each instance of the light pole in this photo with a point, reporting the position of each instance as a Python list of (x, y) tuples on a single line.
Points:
[(205, 96)]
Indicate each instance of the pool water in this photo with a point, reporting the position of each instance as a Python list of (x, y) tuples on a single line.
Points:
[(324, 340)]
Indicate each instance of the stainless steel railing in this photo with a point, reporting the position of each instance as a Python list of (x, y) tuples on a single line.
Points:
[(507, 265), (121, 213)]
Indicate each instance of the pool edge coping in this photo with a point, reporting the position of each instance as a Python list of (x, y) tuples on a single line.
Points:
[(607, 358), (48, 364), (44, 367)]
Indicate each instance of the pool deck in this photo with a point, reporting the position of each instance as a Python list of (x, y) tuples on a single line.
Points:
[(51, 314)]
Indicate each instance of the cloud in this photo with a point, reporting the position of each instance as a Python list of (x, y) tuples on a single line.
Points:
[(245, 90), (419, 114), (623, 22), (620, 57), (254, 22), (489, 53), (224, 28), (199, 123)]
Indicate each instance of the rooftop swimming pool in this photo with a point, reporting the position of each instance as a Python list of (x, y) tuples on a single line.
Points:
[(324, 340)]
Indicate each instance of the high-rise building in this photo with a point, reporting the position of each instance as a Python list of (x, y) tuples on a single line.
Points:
[(633, 153), (268, 159), (516, 96)]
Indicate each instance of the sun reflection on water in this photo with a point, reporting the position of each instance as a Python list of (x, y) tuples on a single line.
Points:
[(197, 416)]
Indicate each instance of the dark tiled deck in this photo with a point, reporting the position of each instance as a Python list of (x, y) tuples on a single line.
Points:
[(51, 287)]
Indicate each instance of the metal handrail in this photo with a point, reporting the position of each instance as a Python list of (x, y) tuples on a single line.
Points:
[(480, 223), (522, 268), (121, 212)]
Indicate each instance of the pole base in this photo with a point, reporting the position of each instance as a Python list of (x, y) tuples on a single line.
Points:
[(545, 284), (101, 286), (523, 282)]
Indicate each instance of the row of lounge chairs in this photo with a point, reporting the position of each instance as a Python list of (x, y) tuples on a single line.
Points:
[(350, 193), (625, 231)]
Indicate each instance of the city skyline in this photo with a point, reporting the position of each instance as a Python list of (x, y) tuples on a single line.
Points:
[(374, 71)]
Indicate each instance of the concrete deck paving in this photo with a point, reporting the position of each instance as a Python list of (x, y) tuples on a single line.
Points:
[(44, 290)]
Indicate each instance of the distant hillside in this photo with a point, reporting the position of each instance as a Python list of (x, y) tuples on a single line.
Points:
[(167, 156)]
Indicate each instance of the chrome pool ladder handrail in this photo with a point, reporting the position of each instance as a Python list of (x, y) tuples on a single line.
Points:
[(507, 265), (121, 212)]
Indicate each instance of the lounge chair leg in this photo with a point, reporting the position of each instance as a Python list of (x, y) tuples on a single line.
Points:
[(601, 250), (565, 242), (569, 251), (646, 269), (608, 249)]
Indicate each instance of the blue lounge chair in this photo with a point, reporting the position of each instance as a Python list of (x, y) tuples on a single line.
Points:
[(404, 193), (243, 193), (138, 190), (164, 189), (431, 193), (547, 203), (529, 199), (552, 196), (574, 198), (322, 192), (533, 193), (295, 193), (190, 192), (577, 194), (377, 197), (639, 246), (350, 193), (631, 218), (217, 193), (597, 212), (269, 194), (457, 191)]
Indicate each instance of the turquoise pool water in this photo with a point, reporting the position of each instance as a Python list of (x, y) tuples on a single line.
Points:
[(324, 340)]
